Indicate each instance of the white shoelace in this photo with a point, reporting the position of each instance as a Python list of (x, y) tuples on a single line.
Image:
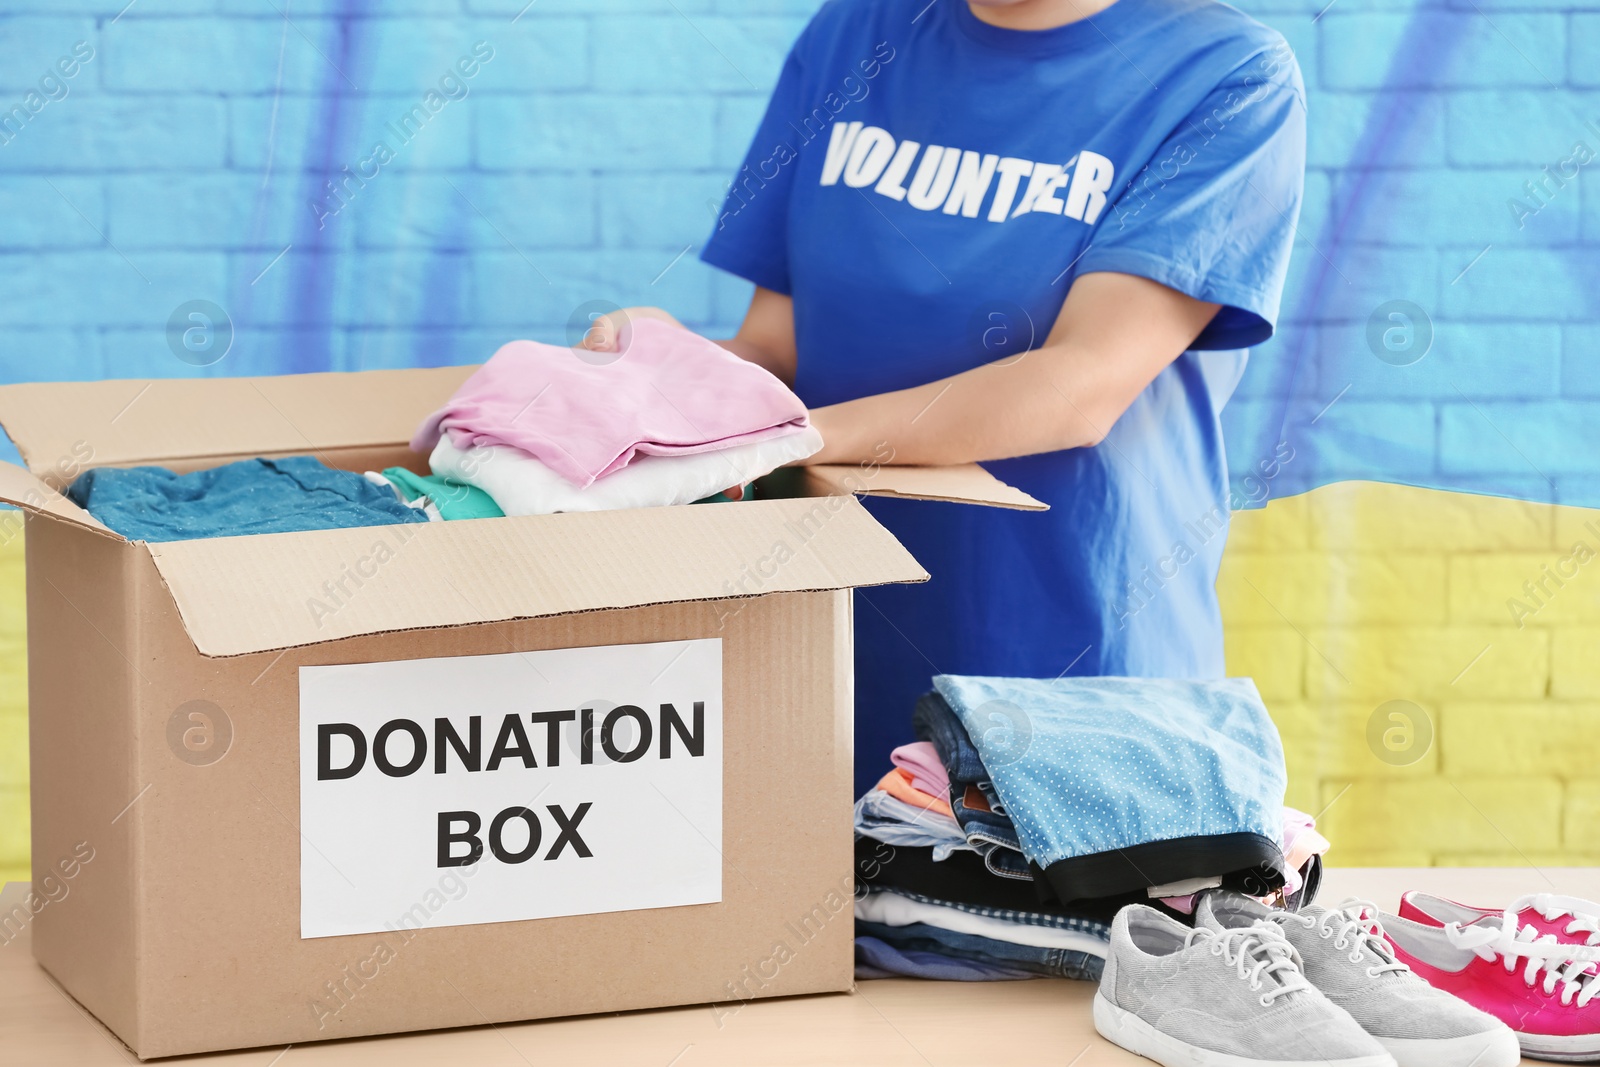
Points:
[(1353, 925), (1570, 966), (1260, 953), (1585, 913)]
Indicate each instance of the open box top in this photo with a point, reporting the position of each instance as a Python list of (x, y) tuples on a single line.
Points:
[(242, 595)]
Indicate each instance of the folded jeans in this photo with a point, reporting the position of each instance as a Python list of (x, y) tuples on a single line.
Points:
[(1051, 962), (933, 721), (876, 958)]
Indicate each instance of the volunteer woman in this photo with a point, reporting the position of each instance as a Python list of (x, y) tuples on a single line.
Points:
[(1111, 188)]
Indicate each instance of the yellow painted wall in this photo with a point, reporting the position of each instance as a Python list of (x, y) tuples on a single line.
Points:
[(13, 708), (1336, 602), (1358, 594)]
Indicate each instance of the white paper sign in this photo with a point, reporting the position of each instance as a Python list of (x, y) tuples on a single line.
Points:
[(480, 789)]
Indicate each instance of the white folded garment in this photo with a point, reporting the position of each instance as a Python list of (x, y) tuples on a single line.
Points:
[(890, 908), (522, 485), (422, 503), (1188, 887)]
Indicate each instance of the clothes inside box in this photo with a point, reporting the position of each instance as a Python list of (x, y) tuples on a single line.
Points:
[(539, 429)]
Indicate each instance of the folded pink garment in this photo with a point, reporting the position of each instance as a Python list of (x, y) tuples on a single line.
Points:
[(1181, 905), (669, 392), (921, 760), (1300, 842)]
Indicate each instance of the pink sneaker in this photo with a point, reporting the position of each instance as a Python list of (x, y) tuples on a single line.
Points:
[(1542, 988), (1570, 920)]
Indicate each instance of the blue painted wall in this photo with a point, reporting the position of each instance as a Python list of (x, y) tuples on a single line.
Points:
[(191, 156)]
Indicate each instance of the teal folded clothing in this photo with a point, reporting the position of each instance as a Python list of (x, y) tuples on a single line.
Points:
[(455, 500), (252, 496)]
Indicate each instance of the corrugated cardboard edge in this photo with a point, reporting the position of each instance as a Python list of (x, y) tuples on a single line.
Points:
[(180, 422), (32, 494), (965, 483), (243, 595)]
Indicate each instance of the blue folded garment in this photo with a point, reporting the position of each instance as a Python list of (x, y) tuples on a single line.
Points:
[(876, 958), (988, 828), (894, 822), (252, 496), (1117, 784), (926, 940)]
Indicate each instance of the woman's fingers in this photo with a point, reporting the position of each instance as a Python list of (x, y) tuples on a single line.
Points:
[(609, 332), (604, 332)]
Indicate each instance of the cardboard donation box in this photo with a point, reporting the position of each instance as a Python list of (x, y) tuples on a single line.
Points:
[(312, 785)]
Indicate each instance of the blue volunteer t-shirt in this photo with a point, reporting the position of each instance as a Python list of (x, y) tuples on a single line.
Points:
[(926, 187)]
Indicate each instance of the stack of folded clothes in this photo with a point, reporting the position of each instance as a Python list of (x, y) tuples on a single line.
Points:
[(1006, 838), (671, 419), (928, 905)]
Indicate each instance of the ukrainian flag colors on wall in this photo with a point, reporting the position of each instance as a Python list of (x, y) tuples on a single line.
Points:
[(339, 184)]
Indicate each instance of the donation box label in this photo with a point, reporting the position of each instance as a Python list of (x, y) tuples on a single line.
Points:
[(526, 785)]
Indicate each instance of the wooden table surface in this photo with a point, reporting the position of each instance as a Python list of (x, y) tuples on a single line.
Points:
[(884, 1023)]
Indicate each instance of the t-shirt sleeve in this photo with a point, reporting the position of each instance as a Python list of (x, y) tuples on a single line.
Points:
[(1214, 214), (751, 234)]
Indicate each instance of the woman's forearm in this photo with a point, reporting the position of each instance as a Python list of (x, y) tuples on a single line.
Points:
[(1115, 333), (1043, 401)]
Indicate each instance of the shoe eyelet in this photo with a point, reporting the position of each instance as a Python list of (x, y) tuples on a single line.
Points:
[(1266, 1001), (1326, 933), (1372, 972)]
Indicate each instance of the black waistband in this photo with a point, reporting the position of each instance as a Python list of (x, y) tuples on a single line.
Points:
[(1250, 863)]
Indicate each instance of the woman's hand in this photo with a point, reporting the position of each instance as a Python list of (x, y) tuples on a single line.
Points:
[(609, 332), (766, 338), (840, 443)]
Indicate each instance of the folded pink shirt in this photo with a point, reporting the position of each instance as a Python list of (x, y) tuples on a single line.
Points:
[(669, 392), (921, 760)]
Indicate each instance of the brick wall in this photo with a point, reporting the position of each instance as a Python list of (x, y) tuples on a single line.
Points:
[(189, 159), (1426, 122), (13, 716), (1355, 595), (188, 152)]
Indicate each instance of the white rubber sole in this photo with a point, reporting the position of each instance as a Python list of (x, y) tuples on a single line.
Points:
[(1497, 1048), (1121, 1027), (1577, 1048)]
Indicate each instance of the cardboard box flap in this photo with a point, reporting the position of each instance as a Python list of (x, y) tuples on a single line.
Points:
[(965, 483), (27, 492), (124, 422), (239, 595)]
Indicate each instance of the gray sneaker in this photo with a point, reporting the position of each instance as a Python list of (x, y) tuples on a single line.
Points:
[(1220, 998), (1343, 953)]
